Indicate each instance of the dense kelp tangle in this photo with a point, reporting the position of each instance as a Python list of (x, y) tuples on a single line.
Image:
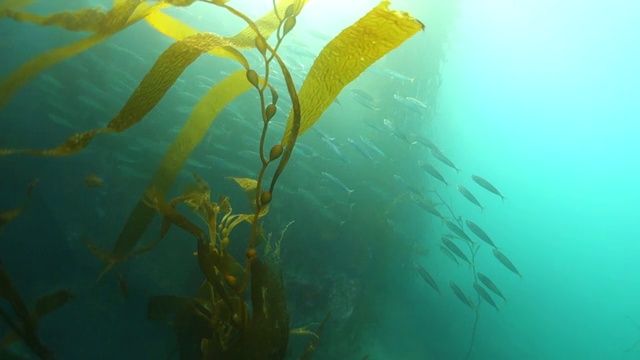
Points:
[(240, 310)]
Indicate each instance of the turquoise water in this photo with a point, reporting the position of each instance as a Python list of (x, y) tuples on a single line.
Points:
[(539, 98)]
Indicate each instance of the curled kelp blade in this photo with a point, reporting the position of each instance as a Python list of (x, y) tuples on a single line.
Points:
[(377, 33)]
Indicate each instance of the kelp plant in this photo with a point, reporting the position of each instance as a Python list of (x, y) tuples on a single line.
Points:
[(240, 311)]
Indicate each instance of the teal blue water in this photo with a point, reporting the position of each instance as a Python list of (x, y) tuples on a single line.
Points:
[(544, 96)]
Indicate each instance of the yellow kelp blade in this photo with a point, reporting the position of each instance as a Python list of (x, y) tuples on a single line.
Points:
[(202, 116), (346, 56), (245, 39), (145, 97), (267, 24), (28, 70), (178, 30)]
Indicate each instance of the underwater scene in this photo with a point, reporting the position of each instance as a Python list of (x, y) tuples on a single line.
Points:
[(295, 179)]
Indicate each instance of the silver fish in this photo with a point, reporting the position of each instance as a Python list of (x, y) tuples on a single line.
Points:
[(479, 232), (425, 205), (469, 196), (456, 229), (485, 295), (445, 160), (337, 181), (506, 262), (449, 254), (360, 148), (485, 184), (432, 171), (427, 277), (334, 148), (456, 250), (426, 142), (465, 300), (372, 146), (490, 285)]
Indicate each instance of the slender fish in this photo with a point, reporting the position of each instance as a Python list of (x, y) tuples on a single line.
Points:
[(479, 232), (427, 277), (445, 160), (485, 295), (432, 171), (456, 229), (490, 285), (337, 181), (506, 262), (455, 249), (487, 185), (469, 196), (465, 300)]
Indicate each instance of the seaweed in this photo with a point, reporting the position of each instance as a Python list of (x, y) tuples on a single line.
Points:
[(240, 310)]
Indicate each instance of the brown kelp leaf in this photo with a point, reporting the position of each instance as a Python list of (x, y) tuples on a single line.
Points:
[(346, 56)]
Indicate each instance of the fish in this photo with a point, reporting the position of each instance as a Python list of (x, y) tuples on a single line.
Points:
[(456, 229), (426, 142), (449, 254), (365, 140), (337, 181), (334, 148), (93, 180), (490, 285), (363, 94), (397, 75), (487, 185), (479, 232), (469, 196), (444, 159), (411, 104), (360, 148), (465, 300), (407, 186), (425, 205), (427, 277), (432, 171), (506, 262), (485, 295), (455, 249)]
